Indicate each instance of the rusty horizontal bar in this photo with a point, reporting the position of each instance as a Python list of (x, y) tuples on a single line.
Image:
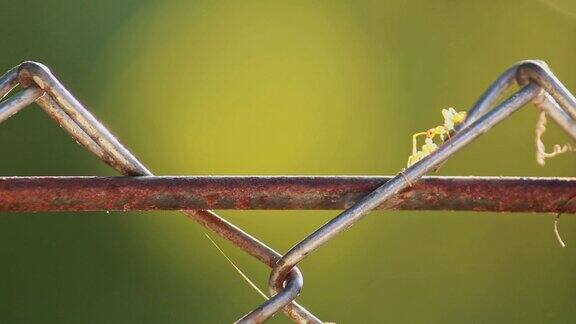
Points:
[(495, 194)]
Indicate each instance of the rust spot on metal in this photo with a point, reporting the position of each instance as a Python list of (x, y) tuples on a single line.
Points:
[(495, 194)]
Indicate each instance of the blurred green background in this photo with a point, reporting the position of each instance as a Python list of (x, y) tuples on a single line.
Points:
[(295, 88)]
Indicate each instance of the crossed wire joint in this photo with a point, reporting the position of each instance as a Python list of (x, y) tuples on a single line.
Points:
[(537, 84), (41, 86)]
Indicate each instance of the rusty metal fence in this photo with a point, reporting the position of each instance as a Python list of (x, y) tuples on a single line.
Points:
[(195, 196)]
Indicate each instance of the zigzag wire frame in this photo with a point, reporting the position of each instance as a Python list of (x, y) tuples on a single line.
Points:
[(538, 84), (536, 80), (41, 86)]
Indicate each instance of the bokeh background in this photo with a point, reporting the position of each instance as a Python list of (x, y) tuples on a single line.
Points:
[(295, 88)]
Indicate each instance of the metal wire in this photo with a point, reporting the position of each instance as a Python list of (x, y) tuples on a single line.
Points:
[(494, 194), (54, 98), (539, 85), (534, 76)]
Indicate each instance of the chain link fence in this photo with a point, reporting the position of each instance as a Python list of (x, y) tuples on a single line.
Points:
[(195, 196)]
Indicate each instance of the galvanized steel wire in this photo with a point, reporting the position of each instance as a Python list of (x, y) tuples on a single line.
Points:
[(538, 85), (536, 80), (41, 85)]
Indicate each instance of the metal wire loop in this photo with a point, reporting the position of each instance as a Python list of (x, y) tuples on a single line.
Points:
[(536, 80), (42, 87), (537, 84)]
